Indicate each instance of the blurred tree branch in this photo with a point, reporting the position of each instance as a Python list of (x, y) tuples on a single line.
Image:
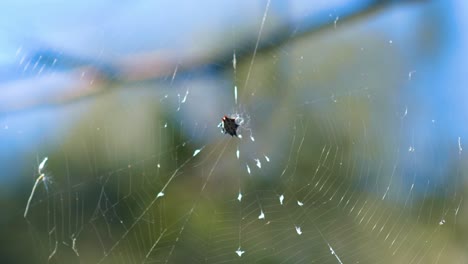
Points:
[(101, 76)]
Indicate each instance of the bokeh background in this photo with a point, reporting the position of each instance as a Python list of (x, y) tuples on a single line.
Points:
[(352, 148)]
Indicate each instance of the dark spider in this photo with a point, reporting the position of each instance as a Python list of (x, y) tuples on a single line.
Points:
[(229, 126)]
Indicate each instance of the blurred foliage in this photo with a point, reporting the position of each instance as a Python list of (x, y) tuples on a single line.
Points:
[(324, 109)]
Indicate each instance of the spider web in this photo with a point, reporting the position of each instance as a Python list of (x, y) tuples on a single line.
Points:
[(317, 176)]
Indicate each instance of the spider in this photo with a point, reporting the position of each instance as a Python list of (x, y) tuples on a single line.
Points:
[(229, 126)]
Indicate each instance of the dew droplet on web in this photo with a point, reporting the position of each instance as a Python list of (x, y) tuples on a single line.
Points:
[(42, 165), (262, 215), (22, 60), (336, 21), (298, 230), (239, 197), (410, 75), (239, 252), (165, 97), (26, 66), (281, 199), (197, 151), (234, 61), (185, 97), (235, 93), (18, 51), (258, 163), (460, 149), (300, 203)]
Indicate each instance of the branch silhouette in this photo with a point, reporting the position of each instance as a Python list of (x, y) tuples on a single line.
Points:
[(102, 76)]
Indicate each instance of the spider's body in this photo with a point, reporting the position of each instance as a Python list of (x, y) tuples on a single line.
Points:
[(229, 126)]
